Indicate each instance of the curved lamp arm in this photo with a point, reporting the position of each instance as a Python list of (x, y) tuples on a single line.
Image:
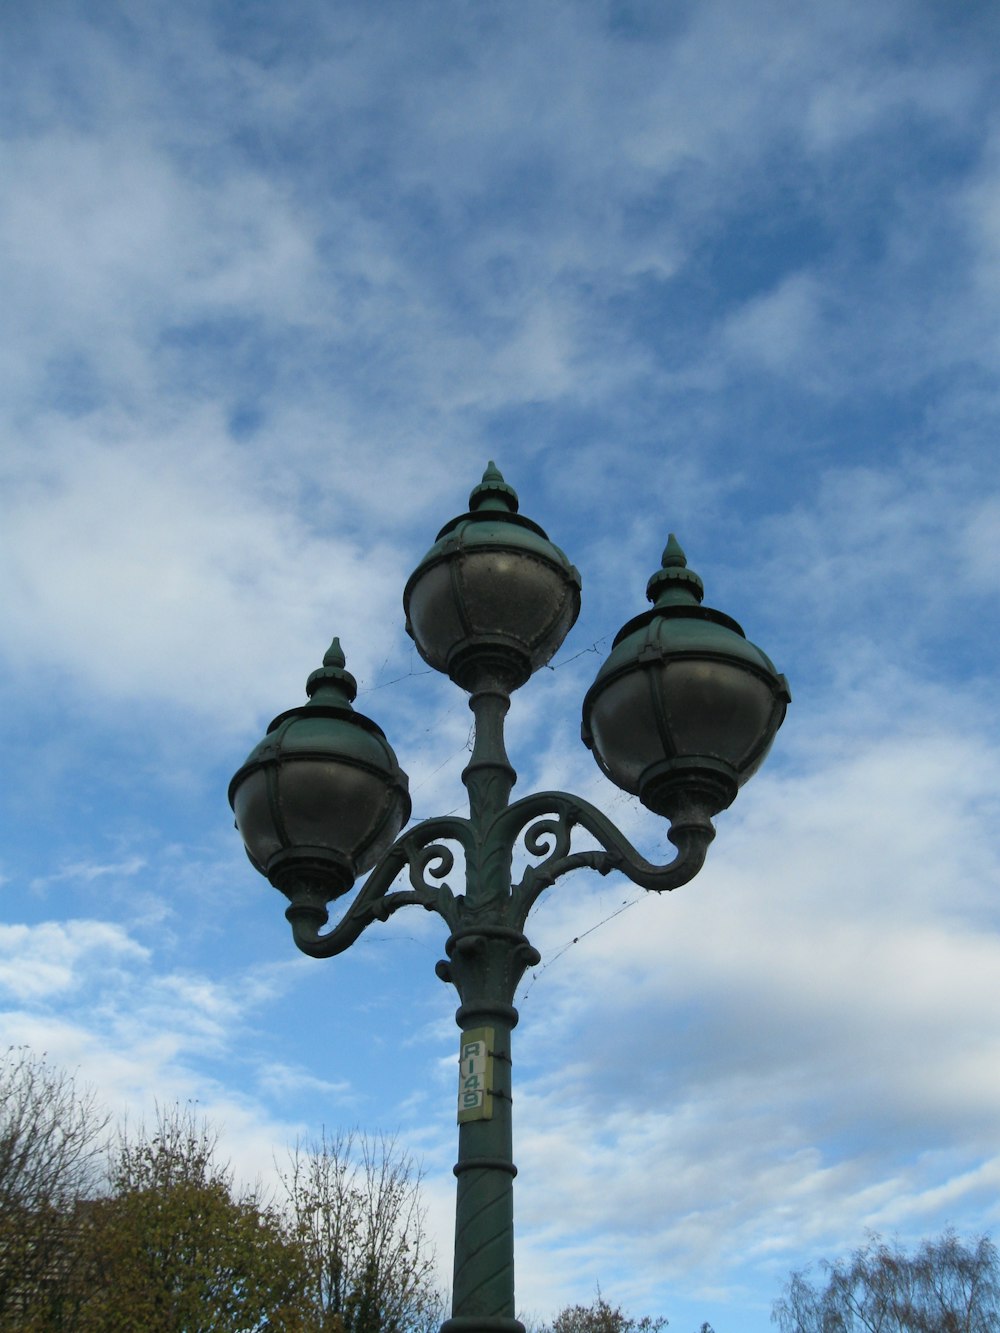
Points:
[(548, 820), (421, 848)]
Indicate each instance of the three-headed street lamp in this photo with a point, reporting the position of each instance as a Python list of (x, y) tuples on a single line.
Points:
[(681, 714)]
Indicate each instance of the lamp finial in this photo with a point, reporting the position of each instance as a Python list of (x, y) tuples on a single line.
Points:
[(331, 684), (493, 492), (673, 582)]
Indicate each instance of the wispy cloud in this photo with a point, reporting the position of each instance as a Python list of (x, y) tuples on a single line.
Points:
[(86, 872)]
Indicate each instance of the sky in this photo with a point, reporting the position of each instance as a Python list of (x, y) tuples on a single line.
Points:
[(277, 283)]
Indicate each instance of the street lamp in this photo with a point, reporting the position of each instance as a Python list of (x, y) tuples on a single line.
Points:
[(682, 712)]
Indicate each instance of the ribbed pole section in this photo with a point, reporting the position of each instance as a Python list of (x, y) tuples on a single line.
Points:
[(483, 1283)]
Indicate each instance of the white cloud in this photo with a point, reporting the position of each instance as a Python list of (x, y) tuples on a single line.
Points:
[(779, 331), (87, 872), (979, 545), (44, 961), (166, 574), (279, 1079)]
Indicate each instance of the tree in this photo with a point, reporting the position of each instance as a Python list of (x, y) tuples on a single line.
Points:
[(356, 1210), (52, 1140), (174, 1249), (946, 1286), (600, 1317), (153, 1237)]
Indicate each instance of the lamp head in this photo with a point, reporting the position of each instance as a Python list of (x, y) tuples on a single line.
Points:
[(493, 598), (321, 795), (685, 708)]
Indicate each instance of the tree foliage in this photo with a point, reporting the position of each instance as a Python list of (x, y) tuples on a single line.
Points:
[(356, 1210), (945, 1286), (52, 1140), (174, 1247), (149, 1233), (600, 1317)]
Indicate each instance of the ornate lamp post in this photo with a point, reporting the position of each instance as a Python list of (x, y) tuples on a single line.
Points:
[(681, 714)]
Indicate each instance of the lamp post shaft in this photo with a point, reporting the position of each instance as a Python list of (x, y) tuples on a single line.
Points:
[(486, 960), (489, 774), (483, 1280)]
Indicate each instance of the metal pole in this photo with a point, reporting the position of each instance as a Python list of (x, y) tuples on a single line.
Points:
[(486, 960), (483, 1283)]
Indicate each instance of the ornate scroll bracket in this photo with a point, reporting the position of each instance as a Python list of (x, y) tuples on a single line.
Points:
[(548, 819), (422, 850)]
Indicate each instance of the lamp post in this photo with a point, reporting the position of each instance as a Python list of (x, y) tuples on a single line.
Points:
[(682, 712)]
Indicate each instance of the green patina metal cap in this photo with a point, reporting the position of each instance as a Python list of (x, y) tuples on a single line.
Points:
[(679, 620)]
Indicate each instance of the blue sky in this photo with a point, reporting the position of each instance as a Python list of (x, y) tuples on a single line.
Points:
[(277, 283)]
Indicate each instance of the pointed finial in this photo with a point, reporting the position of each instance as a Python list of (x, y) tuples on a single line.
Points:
[(493, 492), (334, 656), (673, 583), (673, 554), (330, 684)]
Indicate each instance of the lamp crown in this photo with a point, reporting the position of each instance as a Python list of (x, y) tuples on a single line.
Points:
[(331, 685), (493, 492), (674, 584)]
